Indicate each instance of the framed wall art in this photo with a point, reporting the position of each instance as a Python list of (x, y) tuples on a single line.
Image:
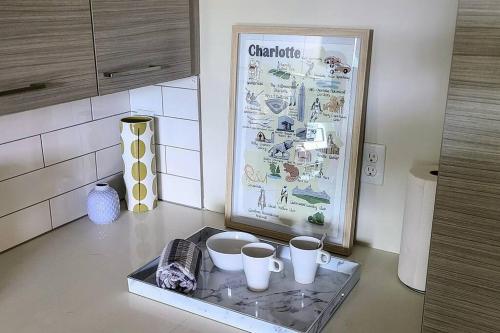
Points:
[(295, 131)]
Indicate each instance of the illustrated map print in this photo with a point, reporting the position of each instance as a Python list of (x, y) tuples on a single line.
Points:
[(293, 114)]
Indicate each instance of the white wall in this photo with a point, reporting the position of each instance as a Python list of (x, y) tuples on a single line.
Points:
[(411, 58)]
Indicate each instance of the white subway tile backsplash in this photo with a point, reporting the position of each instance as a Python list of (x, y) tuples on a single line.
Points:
[(20, 157), (187, 83), (24, 124), (109, 161), (180, 103), (69, 206), (109, 105), (180, 190), (78, 140), (40, 185), (182, 162), (161, 164), (50, 158), (24, 225), (146, 100), (178, 133)]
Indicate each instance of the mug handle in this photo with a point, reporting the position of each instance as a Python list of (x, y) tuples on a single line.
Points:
[(323, 257), (275, 265)]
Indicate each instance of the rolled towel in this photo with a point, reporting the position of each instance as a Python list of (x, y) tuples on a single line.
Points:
[(179, 266)]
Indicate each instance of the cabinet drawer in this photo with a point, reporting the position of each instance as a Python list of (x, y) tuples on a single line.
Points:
[(46, 53), (139, 43)]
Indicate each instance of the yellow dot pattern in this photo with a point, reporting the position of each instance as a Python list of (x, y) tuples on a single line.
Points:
[(153, 167), (140, 208), (139, 191), (138, 149), (138, 129), (137, 135), (122, 146), (155, 185), (139, 171)]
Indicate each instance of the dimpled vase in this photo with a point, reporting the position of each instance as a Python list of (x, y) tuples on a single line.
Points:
[(103, 204)]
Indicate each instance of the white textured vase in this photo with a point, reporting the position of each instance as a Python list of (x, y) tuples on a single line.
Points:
[(138, 153), (103, 204)]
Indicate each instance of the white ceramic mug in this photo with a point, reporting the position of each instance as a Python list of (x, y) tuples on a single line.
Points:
[(258, 263), (307, 253)]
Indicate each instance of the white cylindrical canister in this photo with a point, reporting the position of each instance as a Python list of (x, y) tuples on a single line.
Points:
[(417, 225)]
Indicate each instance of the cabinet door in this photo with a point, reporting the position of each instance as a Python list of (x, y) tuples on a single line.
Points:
[(463, 275), (139, 43), (46, 53)]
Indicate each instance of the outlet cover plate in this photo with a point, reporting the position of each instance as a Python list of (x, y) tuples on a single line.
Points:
[(373, 168)]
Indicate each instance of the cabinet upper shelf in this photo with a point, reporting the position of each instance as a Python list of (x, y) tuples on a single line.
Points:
[(55, 51)]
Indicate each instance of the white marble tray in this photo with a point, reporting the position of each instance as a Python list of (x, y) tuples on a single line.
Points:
[(285, 307)]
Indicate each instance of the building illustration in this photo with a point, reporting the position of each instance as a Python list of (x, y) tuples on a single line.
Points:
[(285, 123)]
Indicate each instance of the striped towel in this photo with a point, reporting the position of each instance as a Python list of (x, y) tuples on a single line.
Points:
[(179, 266)]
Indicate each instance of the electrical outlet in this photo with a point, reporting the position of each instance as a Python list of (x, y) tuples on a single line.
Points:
[(373, 164), (370, 171), (372, 157)]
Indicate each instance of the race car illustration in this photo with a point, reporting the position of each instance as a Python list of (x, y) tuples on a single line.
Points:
[(332, 61), (336, 65), (340, 68)]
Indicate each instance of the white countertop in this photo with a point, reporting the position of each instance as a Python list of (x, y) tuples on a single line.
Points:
[(74, 280)]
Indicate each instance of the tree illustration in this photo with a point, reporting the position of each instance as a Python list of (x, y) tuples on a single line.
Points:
[(272, 166), (278, 170), (318, 218)]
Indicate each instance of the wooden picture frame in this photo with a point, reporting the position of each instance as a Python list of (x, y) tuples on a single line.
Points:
[(277, 53)]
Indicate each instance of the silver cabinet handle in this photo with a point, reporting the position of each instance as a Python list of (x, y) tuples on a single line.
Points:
[(31, 87), (133, 71)]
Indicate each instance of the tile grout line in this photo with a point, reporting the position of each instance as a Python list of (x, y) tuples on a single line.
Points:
[(90, 152), (129, 103), (153, 114), (173, 87), (87, 122), (29, 206), (95, 163), (162, 102), (182, 204), (43, 154), (66, 127), (91, 109), (172, 174), (20, 139), (50, 165), (63, 193), (176, 147), (50, 215), (24, 173), (165, 157), (179, 118)]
